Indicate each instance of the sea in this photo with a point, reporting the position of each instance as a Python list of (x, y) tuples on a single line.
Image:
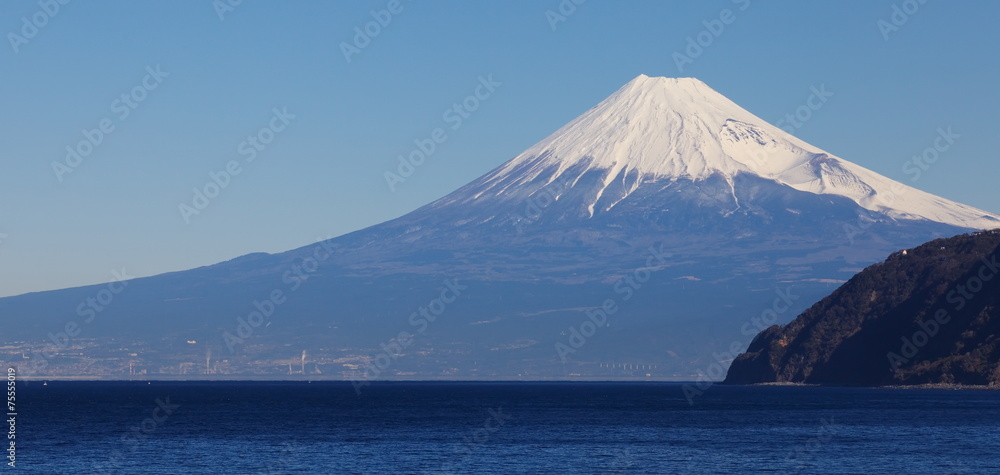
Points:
[(67, 427)]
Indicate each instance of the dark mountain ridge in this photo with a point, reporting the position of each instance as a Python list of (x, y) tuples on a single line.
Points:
[(927, 315)]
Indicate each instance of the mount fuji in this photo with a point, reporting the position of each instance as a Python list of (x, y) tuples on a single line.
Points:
[(655, 131), (651, 237)]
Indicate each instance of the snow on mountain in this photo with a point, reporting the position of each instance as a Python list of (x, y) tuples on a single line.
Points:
[(657, 128)]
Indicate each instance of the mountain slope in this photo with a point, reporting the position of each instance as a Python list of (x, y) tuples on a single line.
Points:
[(662, 167), (926, 315)]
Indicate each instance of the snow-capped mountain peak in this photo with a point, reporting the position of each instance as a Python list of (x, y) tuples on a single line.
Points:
[(657, 128)]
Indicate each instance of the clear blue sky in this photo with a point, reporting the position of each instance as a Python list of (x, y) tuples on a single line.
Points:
[(323, 174)]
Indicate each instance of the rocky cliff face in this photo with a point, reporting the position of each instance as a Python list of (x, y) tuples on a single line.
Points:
[(926, 315)]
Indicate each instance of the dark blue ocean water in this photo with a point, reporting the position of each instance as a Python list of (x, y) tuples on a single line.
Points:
[(228, 427)]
